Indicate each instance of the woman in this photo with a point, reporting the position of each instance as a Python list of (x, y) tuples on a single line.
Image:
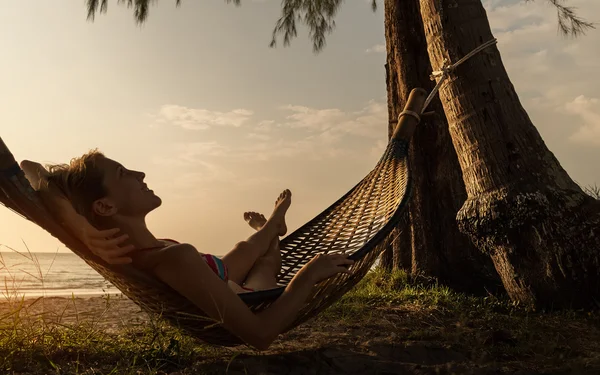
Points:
[(94, 193)]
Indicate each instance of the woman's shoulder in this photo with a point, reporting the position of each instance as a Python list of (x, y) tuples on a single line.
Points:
[(149, 258), (169, 243)]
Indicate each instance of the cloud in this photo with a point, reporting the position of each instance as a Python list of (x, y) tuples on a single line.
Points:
[(588, 109), (264, 126), (308, 148), (371, 121), (260, 137), (316, 134), (201, 119), (378, 149), (203, 183), (204, 174), (312, 118), (191, 153), (333, 123), (378, 48), (536, 55), (192, 150), (306, 132), (511, 15), (549, 69)]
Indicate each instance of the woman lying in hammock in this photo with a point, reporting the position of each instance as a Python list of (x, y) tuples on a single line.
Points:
[(109, 195)]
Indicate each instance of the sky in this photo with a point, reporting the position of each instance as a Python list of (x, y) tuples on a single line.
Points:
[(221, 123)]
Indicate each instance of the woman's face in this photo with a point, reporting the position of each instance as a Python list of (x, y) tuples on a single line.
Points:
[(127, 190)]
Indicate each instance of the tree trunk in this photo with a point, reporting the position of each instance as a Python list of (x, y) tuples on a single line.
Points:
[(538, 226), (428, 243)]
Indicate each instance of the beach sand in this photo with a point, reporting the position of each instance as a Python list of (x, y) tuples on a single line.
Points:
[(395, 339), (110, 312)]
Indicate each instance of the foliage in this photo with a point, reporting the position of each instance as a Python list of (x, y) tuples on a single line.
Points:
[(319, 17)]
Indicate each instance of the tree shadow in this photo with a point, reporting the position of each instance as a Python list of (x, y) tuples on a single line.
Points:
[(377, 359)]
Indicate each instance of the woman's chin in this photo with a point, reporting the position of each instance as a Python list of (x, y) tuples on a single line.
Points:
[(158, 201), (151, 202)]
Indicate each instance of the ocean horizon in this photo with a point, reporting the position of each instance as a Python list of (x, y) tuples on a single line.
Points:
[(64, 274), (58, 274)]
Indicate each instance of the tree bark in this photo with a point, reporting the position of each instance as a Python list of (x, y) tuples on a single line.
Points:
[(538, 226), (428, 242)]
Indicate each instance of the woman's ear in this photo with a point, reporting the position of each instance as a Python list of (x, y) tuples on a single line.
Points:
[(104, 207)]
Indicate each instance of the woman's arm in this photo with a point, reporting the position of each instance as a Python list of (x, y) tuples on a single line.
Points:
[(100, 242), (182, 267)]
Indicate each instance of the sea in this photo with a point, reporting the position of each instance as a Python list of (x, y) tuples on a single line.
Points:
[(49, 274)]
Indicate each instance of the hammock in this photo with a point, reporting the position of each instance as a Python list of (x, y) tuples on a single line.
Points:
[(357, 224)]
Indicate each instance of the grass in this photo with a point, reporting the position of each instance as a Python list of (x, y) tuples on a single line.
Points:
[(52, 348), (40, 343), (37, 340), (491, 325), (385, 317), (593, 191)]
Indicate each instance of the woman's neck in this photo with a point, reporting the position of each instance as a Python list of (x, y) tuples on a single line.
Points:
[(139, 234)]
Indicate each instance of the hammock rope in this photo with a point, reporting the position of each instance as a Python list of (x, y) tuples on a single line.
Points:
[(357, 224)]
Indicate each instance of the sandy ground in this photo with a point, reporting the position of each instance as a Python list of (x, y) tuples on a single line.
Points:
[(394, 340), (309, 349), (110, 312)]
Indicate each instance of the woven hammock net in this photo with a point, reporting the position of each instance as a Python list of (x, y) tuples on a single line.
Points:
[(356, 224)]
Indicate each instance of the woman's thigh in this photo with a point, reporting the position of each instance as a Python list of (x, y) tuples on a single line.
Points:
[(263, 275), (240, 260)]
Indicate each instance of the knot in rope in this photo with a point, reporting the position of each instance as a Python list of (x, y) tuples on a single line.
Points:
[(448, 68)]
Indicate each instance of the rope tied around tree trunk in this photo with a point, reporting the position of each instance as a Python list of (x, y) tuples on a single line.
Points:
[(443, 74), (449, 68)]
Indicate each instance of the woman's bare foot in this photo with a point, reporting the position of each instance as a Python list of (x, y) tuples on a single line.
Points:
[(281, 206), (255, 220)]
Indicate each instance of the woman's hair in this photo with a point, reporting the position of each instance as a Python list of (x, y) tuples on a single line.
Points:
[(81, 181)]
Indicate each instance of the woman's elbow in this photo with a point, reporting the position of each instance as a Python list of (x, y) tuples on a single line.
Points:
[(260, 337), (262, 348), (262, 343)]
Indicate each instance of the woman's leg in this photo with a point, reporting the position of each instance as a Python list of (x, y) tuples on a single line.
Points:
[(245, 254), (263, 274)]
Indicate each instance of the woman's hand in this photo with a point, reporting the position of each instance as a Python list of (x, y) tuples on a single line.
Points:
[(35, 173), (323, 266), (101, 243)]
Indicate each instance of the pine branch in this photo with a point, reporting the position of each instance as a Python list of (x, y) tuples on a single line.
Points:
[(569, 23), (140, 8), (317, 15)]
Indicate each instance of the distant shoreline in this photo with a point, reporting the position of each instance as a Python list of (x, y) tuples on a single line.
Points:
[(19, 296), (35, 252)]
